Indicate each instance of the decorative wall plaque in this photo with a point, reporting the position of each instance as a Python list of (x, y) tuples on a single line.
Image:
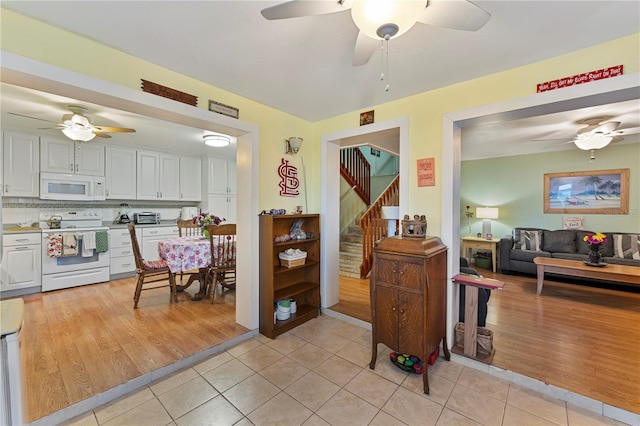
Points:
[(427, 172), (366, 118), (289, 182), (169, 93), (224, 109)]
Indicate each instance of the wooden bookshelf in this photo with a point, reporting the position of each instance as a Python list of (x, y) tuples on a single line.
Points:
[(301, 283)]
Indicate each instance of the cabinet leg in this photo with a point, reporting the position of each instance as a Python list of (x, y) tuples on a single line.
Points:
[(374, 355), (425, 377), (447, 354)]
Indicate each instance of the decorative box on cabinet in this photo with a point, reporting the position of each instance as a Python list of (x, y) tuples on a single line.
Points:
[(408, 297), (277, 282)]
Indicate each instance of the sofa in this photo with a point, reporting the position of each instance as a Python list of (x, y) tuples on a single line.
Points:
[(518, 250)]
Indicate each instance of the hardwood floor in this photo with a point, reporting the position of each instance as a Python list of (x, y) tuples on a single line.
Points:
[(85, 340), (577, 337)]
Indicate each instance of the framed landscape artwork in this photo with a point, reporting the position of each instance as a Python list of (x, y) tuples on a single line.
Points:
[(595, 191)]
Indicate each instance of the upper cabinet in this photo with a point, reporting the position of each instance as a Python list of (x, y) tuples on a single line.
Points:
[(66, 156), (221, 176), (21, 165), (158, 176), (120, 164), (190, 179)]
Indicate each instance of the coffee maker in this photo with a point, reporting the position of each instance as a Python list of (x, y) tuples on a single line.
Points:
[(123, 217)]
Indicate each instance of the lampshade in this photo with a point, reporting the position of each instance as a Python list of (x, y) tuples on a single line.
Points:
[(591, 141), (487, 212), (293, 144), (377, 18), (216, 141)]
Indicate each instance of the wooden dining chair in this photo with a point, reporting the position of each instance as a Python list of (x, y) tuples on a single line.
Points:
[(149, 271), (186, 228), (222, 239)]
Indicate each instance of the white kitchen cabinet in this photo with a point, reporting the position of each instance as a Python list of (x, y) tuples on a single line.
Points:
[(151, 236), (66, 156), (120, 164), (21, 165), (221, 176), (158, 176), (121, 251), (222, 205), (21, 261), (190, 179)]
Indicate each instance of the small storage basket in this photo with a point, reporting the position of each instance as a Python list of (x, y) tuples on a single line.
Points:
[(291, 258), (485, 339)]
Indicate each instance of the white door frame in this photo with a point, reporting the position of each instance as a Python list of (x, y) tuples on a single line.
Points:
[(29, 73)]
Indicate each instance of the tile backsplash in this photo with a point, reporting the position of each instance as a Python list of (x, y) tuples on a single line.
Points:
[(25, 210)]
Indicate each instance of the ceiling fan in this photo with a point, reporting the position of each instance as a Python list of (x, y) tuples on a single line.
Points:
[(380, 20), (597, 133), (78, 127)]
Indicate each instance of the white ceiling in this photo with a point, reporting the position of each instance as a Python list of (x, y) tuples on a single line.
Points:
[(303, 66)]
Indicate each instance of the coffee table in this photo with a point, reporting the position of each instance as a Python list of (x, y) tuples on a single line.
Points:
[(577, 268)]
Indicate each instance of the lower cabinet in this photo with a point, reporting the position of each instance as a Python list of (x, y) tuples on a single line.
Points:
[(152, 236), (121, 251), (21, 261)]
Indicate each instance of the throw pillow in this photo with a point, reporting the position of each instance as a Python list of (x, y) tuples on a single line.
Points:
[(527, 240), (559, 241), (626, 246)]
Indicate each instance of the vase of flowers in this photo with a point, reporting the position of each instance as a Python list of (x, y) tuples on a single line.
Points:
[(203, 220), (595, 241)]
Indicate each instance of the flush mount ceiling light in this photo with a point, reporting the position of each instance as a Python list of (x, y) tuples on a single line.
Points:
[(216, 141)]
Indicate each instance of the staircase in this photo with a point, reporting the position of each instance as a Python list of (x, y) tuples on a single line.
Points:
[(351, 252)]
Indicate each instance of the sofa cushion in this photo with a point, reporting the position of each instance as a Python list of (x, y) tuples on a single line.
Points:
[(559, 241), (527, 255), (527, 239), (626, 246)]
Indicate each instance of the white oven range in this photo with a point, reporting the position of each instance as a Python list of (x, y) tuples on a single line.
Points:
[(72, 267)]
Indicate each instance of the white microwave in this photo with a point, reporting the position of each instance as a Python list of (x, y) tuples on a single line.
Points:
[(58, 186)]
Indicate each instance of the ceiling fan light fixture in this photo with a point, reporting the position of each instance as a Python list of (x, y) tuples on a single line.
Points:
[(378, 18), (217, 141), (78, 134), (592, 141)]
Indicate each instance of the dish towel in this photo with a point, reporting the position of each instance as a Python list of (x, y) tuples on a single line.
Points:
[(102, 241), (54, 245), (69, 244), (88, 243)]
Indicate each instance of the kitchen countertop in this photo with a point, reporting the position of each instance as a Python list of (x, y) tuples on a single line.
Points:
[(124, 225), (13, 228)]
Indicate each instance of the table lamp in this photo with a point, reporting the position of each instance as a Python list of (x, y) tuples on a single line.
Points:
[(486, 214), (392, 214)]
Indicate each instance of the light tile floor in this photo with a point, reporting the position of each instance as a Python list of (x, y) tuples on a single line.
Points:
[(318, 374)]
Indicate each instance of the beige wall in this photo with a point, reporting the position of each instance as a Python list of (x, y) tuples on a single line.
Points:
[(26, 37)]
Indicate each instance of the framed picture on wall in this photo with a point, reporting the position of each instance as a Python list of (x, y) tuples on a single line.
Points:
[(594, 191)]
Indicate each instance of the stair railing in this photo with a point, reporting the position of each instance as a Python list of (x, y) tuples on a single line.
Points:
[(356, 170), (374, 227)]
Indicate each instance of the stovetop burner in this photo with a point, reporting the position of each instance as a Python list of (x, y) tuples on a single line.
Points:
[(80, 220)]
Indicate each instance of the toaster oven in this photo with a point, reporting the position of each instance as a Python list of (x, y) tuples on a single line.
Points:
[(146, 218)]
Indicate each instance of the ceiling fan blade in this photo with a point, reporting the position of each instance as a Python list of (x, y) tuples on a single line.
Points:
[(102, 135), (627, 131), (364, 49), (298, 8), (607, 127), (112, 129), (33, 118), (455, 14)]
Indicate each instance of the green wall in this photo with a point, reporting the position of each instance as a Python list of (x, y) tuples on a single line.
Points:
[(515, 185)]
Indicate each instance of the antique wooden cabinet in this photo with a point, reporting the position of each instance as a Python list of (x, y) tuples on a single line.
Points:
[(300, 283), (408, 297)]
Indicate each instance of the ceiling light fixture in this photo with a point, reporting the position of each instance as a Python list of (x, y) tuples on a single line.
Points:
[(384, 19), (216, 141), (589, 141), (78, 128)]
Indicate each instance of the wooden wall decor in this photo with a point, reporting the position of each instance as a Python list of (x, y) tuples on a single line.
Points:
[(169, 93), (366, 117), (223, 109)]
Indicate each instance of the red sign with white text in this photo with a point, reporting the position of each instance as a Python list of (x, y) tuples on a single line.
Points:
[(581, 78)]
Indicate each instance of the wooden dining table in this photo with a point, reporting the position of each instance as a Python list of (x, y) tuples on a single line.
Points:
[(187, 254)]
